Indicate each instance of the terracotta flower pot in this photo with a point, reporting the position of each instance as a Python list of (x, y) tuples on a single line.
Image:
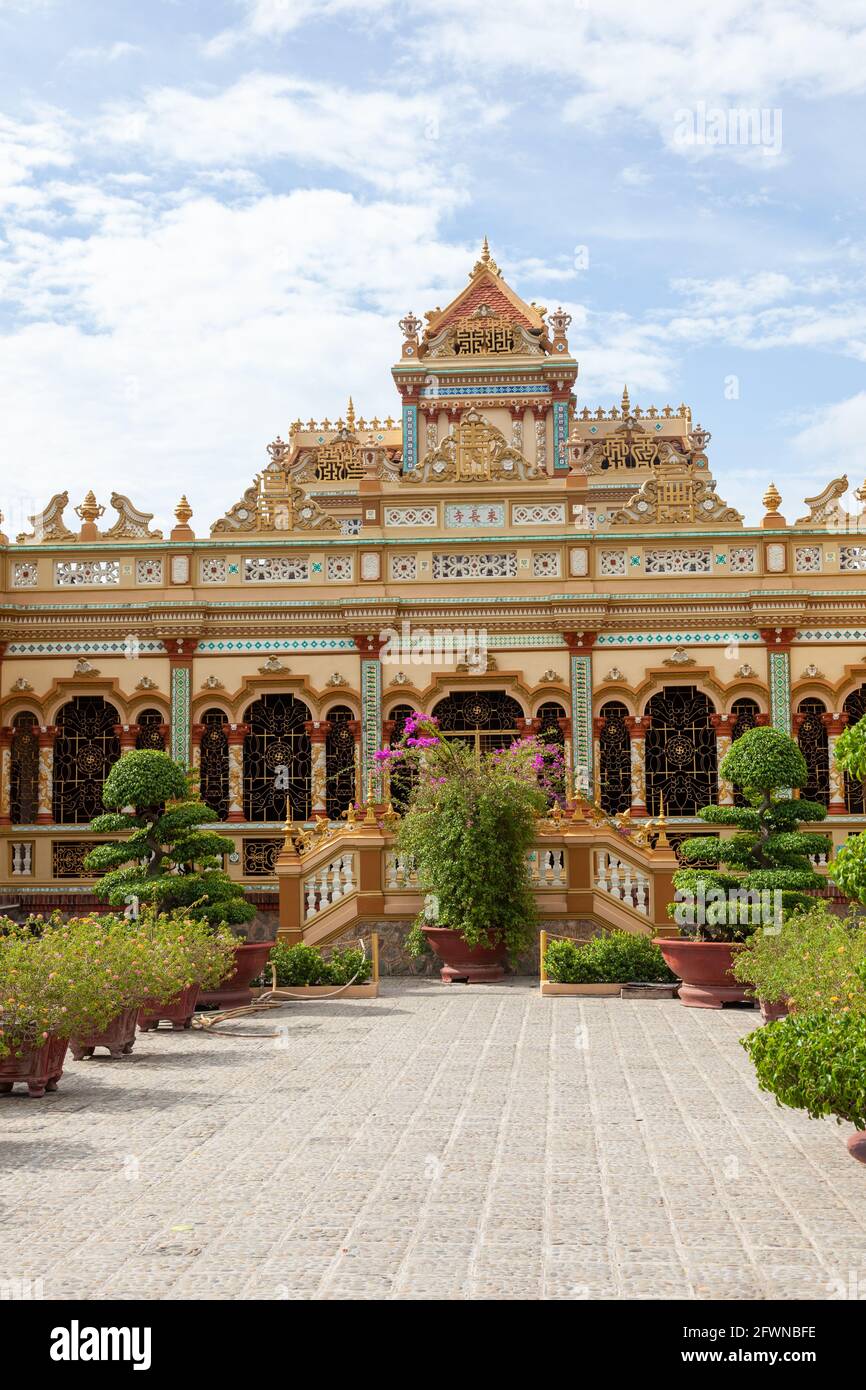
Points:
[(857, 1146), (178, 1011), (771, 1011), (40, 1067), (234, 992), (704, 968), (475, 965), (118, 1037)]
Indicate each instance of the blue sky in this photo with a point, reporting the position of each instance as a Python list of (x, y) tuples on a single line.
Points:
[(213, 214)]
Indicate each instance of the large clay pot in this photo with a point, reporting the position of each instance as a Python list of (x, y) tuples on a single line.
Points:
[(704, 968), (250, 960), (177, 1011), (40, 1067), (476, 965), (857, 1146), (118, 1037), (770, 1012)]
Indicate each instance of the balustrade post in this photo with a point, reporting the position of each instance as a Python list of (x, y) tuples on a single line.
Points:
[(288, 870)]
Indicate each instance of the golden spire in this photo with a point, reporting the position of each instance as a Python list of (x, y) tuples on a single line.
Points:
[(350, 417), (89, 509), (772, 499), (183, 511), (485, 262), (626, 403)]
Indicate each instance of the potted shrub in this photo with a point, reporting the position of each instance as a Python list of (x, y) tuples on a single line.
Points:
[(53, 985), (604, 965), (169, 861), (812, 962), (126, 951), (189, 955), (470, 824), (756, 875), (305, 970), (816, 1061)]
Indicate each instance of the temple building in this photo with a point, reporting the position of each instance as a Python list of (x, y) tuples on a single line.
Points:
[(501, 553)]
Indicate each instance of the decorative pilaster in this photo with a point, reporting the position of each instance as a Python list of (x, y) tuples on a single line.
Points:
[(722, 724), (180, 650), (371, 714), (46, 735), (580, 648), (778, 640), (637, 725), (6, 736), (127, 735), (560, 435), (410, 436), (235, 735), (317, 731), (527, 727), (834, 724)]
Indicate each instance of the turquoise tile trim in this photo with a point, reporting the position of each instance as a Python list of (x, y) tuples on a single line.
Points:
[(581, 718), (180, 714), (371, 724), (410, 437), (680, 639), (539, 389), (276, 644)]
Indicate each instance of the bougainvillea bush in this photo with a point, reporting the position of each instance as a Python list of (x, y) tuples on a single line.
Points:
[(167, 860), (470, 824), (769, 854)]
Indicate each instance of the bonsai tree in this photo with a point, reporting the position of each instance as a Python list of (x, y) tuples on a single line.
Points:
[(768, 854), (814, 1062), (168, 861), (470, 824)]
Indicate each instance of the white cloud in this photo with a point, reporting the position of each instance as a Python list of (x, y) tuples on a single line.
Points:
[(103, 52)]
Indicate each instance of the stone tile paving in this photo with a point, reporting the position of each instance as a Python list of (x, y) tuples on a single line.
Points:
[(439, 1142)]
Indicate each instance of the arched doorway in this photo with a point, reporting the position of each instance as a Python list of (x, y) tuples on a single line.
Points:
[(24, 769), (745, 712), (213, 762), (85, 748), (814, 745), (339, 761), (680, 752), (277, 759), (615, 759), (150, 733), (487, 719)]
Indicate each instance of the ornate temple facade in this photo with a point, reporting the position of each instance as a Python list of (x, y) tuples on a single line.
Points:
[(500, 553)]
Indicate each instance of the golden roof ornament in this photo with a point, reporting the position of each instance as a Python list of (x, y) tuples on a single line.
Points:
[(485, 262), (626, 403), (89, 511), (182, 531), (350, 416), (772, 498)]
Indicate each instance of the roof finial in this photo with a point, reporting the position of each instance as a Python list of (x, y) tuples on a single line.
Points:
[(485, 250), (626, 403), (485, 261), (350, 417)]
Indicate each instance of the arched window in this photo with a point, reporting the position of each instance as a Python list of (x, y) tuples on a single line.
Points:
[(85, 748), (24, 769), (680, 752), (213, 762), (277, 760), (745, 712), (149, 731), (485, 718), (402, 775), (550, 731), (340, 761), (812, 738), (855, 708), (615, 758)]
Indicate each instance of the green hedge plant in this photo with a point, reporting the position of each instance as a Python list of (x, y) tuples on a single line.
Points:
[(618, 957), (814, 1062), (305, 965), (813, 962)]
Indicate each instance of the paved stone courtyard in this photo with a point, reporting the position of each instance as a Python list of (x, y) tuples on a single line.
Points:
[(437, 1142)]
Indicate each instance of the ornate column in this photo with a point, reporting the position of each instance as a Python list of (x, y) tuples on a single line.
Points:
[(778, 642), (722, 723), (46, 735), (538, 426), (6, 736), (560, 433), (235, 735), (637, 725), (127, 734), (196, 731), (580, 662), (371, 714), (527, 727), (834, 724), (317, 731), (180, 651), (355, 728)]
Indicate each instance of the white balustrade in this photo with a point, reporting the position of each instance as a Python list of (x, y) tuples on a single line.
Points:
[(400, 872), (622, 880), (329, 883), (546, 868), (22, 858), (818, 861)]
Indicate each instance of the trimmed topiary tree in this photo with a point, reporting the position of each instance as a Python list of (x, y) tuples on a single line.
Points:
[(768, 854), (168, 860)]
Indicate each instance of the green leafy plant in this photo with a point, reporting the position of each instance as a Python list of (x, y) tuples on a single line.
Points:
[(769, 854), (615, 958), (305, 965), (814, 1062), (470, 824), (848, 869), (167, 859), (813, 962)]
